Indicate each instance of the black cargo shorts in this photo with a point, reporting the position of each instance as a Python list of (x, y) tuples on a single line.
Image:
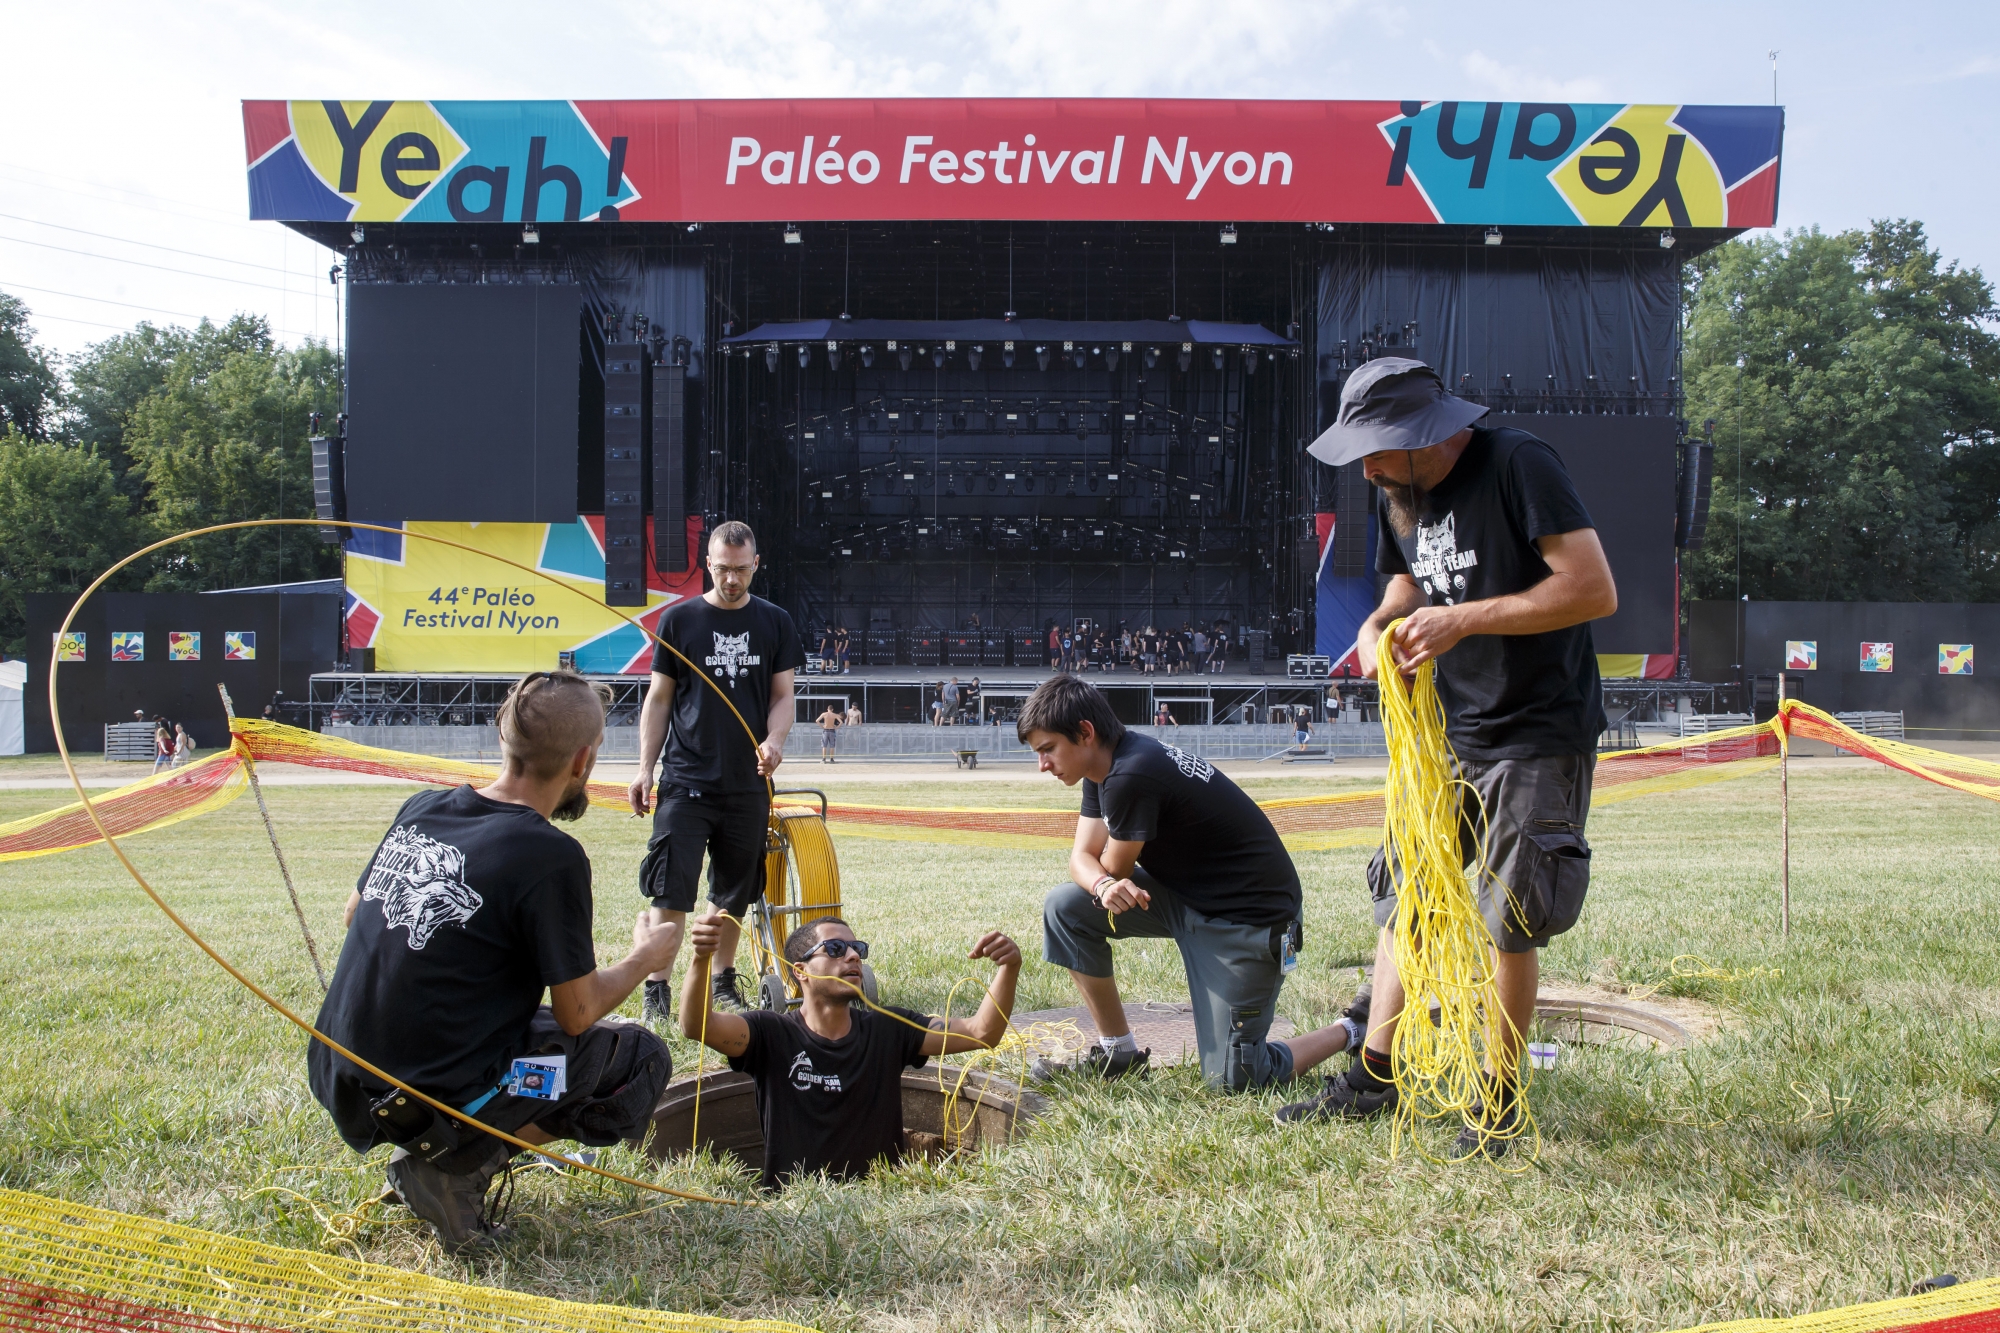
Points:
[(1537, 860)]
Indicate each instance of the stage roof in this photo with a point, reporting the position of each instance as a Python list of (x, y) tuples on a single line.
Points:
[(1529, 164)]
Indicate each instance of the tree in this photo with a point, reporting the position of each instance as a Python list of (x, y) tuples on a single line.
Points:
[(223, 438), (62, 522), (30, 389), (1853, 382), (110, 379)]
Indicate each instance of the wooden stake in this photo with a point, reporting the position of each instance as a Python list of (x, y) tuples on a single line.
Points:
[(257, 790), (1784, 813)]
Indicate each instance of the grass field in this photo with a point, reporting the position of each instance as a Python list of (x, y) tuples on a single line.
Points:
[(1833, 1142)]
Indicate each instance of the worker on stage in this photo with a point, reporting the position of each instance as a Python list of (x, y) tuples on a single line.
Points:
[(715, 758), (1496, 570), (1167, 847)]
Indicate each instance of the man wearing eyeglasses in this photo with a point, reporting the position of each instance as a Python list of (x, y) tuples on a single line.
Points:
[(829, 1073), (714, 789)]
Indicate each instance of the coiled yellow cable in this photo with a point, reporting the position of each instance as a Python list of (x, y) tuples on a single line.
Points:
[(1443, 949)]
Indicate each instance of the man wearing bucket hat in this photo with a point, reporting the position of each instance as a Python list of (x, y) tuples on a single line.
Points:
[(1494, 563)]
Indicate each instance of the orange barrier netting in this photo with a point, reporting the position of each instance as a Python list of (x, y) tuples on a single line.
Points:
[(1306, 822)]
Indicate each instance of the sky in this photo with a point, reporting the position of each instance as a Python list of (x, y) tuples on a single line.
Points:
[(122, 194)]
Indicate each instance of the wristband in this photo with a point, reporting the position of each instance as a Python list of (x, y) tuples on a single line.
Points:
[(1098, 888)]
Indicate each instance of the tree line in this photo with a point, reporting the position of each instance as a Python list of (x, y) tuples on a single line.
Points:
[(146, 434), (1850, 382)]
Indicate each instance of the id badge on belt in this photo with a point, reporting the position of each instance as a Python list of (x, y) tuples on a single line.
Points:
[(543, 1077), (1294, 942)]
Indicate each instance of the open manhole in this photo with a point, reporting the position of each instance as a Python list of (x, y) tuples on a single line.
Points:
[(984, 1111)]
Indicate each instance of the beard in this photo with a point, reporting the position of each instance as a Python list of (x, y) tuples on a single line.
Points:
[(575, 802), (1402, 507)]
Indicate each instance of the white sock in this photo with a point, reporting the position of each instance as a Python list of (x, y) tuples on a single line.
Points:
[(1112, 1045)]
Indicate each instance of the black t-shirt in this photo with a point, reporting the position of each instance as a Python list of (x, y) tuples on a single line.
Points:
[(1205, 839), (740, 651), (470, 909), (1506, 696), (826, 1105)]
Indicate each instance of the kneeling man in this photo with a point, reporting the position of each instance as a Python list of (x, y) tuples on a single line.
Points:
[(829, 1074), (1170, 848), (472, 905)]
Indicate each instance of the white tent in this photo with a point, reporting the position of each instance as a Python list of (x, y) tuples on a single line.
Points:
[(13, 716)]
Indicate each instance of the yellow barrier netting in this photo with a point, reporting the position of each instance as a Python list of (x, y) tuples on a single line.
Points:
[(72, 1267)]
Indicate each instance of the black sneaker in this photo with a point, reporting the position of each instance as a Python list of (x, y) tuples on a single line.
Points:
[(1493, 1136), (658, 1008), (455, 1206), (1096, 1062), (1341, 1100), (727, 998)]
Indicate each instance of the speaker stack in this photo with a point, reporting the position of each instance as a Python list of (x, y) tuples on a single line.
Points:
[(670, 555), (626, 388)]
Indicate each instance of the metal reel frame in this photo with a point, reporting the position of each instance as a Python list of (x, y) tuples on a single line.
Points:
[(776, 913)]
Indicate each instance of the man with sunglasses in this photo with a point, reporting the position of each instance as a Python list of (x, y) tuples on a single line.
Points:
[(714, 788), (829, 1073)]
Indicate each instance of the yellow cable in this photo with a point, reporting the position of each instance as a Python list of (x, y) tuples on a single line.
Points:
[(69, 765), (1443, 949)]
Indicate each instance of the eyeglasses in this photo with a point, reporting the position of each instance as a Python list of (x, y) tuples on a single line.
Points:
[(741, 571), (837, 949)]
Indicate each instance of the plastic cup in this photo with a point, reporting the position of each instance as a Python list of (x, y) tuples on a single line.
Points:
[(1542, 1054)]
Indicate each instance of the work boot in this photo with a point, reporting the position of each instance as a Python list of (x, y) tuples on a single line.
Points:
[(727, 998), (1492, 1134), (658, 1007), (1341, 1100), (1097, 1061), (455, 1206)]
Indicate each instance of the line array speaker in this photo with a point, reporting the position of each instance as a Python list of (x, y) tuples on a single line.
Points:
[(330, 486), (670, 468), (625, 395)]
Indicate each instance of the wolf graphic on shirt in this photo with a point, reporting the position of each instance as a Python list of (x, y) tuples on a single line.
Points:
[(1191, 766), (1440, 564), (732, 656), (420, 883)]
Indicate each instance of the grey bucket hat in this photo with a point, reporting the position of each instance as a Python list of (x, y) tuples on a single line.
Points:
[(1392, 402)]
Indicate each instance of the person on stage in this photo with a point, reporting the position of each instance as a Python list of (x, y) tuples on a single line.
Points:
[(472, 906), (714, 758), (829, 1073), (1170, 848), (1494, 561)]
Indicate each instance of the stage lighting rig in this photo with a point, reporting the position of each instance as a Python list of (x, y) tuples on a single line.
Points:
[(1666, 240), (1249, 361), (1042, 355), (792, 236), (973, 354), (1111, 356), (1215, 355), (531, 235), (904, 354), (1493, 236), (1007, 355), (1229, 234), (937, 358), (1186, 357), (360, 233), (1152, 357), (771, 358), (867, 357), (805, 355)]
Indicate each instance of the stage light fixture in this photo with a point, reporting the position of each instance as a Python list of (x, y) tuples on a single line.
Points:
[(1493, 236), (1007, 355), (1081, 357), (832, 354), (531, 235), (1111, 356), (1666, 240), (771, 358), (972, 355), (792, 236), (1229, 234), (1249, 361), (1186, 357), (867, 357), (937, 358), (1042, 355), (805, 355), (693, 227), (905, 355), (1215, 355), (1152, 357), (360, 233)]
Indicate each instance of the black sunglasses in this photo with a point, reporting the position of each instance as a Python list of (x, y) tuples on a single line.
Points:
[(838, 949)]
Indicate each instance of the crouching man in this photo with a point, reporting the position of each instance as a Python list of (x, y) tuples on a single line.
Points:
[(471, 906), (829, 1074), (1170, 848)]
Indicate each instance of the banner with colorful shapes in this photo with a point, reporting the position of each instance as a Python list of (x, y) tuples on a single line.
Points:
[(184, 646), (1802, 654), (1878, 657), (239, 645), (425, 606), (70, 646), (128, 645), (1954, 659), (1542, 164)]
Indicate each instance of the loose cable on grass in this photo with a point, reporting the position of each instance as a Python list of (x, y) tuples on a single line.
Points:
[(194, 936), (1443, 948)]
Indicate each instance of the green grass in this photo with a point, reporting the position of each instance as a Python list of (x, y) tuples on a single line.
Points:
[(1833, 1143)]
